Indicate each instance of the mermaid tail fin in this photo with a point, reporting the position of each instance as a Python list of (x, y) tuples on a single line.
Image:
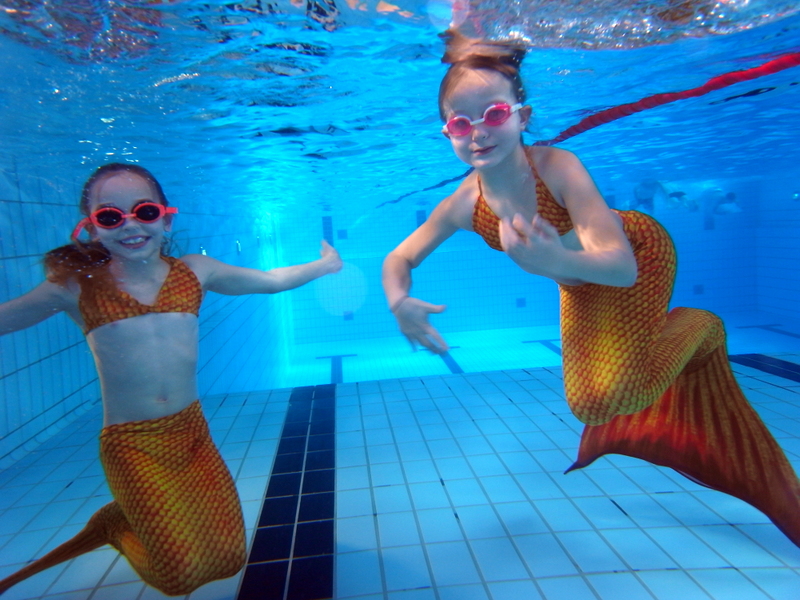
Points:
[(704, 428), (90, 538)]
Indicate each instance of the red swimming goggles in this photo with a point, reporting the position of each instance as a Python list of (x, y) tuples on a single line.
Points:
[(111, 217), (495, 115)]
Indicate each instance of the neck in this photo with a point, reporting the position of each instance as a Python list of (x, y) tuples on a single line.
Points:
[(508, 179), (137, 270)]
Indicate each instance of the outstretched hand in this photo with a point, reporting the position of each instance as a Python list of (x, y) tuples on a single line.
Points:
[(330, 256), (534, 246), (412, 317)]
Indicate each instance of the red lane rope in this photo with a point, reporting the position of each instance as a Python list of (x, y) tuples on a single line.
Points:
[(715, 83)]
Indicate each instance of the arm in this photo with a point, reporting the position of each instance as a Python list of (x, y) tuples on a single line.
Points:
[(602, 254), (217, 276), (42, 302), (412, 313)]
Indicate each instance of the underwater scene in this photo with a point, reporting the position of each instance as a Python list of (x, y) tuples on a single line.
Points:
[(400, 300)]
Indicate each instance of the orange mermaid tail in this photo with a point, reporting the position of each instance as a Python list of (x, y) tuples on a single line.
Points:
[(176, 515), (658, 386)]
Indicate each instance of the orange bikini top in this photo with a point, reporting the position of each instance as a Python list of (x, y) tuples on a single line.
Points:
[(486, 223), (181, 292)]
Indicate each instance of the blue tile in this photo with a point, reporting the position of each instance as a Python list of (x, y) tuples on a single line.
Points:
[(671, 584), (591, 552), (498, 559), (463, 592), (355, 533), (480, 522), (429, 495), (514, 590), (612, 586), (638, 550), (735, 547), (439, 525), (686, 549), (419, 471), (561, 588), (520, 518), (544, 556), (393, 498), (728, 584), (405, 568), (386, 474), (562, 515), (357, 573), (780, 584), (397, 529), (539, 486), (465, 492), (353, 503), (452, 564)]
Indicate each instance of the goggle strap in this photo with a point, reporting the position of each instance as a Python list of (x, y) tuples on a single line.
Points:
[(77, 231)]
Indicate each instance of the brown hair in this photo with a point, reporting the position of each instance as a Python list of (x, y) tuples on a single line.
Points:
[(468, 54), (84, 261)]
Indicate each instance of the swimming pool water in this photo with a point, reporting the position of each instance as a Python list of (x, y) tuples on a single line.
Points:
[(269, 135)]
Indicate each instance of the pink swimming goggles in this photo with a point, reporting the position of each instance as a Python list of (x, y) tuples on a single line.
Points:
[(495, 115), (111, 217)]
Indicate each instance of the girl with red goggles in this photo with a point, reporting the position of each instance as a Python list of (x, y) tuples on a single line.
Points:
[(176, 515)]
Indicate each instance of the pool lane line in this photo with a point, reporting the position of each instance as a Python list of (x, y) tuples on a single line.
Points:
[(292, 553), (786, 61), (771, 328), (547, 344), (768, 364), (337, 374)]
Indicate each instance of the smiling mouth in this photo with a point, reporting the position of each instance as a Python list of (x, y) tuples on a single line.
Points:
[(134, 241)]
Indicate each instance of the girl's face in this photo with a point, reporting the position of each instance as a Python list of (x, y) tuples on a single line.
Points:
[(485, 146), (133, 240)]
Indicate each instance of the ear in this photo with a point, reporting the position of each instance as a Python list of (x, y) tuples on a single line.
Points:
[(92, 231), (525, 114), (167, 223)]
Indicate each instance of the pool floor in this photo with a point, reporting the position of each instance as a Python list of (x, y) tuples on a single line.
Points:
[(447, 486)]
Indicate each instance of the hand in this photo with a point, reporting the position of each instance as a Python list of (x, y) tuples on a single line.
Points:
[(534, 246), (412, 317), (330, 256)]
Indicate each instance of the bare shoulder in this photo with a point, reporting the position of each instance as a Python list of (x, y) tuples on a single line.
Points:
[(201, 265), (552, 162), (456, 209)]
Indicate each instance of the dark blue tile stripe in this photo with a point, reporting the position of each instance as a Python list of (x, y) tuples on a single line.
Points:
[(771, 328), (768, 364), (291, 557), (451, 363), (337, 373), (547, 344)]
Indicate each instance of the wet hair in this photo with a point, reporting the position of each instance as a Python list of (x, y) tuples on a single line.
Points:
[(468, 54), (84, 261)]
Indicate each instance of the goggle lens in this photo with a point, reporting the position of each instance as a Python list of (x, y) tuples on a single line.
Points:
[(493, 116), (111, 217)]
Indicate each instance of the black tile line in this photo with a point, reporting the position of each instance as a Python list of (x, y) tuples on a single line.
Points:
[(291, 557), (771, 328), (336, 366), (547, 344), (43, 358), (768, 364), (451, 363)]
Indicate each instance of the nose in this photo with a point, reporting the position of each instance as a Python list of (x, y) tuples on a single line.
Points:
[(479, 131)]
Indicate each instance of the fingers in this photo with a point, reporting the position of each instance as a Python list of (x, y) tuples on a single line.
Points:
[(435, 308), (438, 346), (543, 227)]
